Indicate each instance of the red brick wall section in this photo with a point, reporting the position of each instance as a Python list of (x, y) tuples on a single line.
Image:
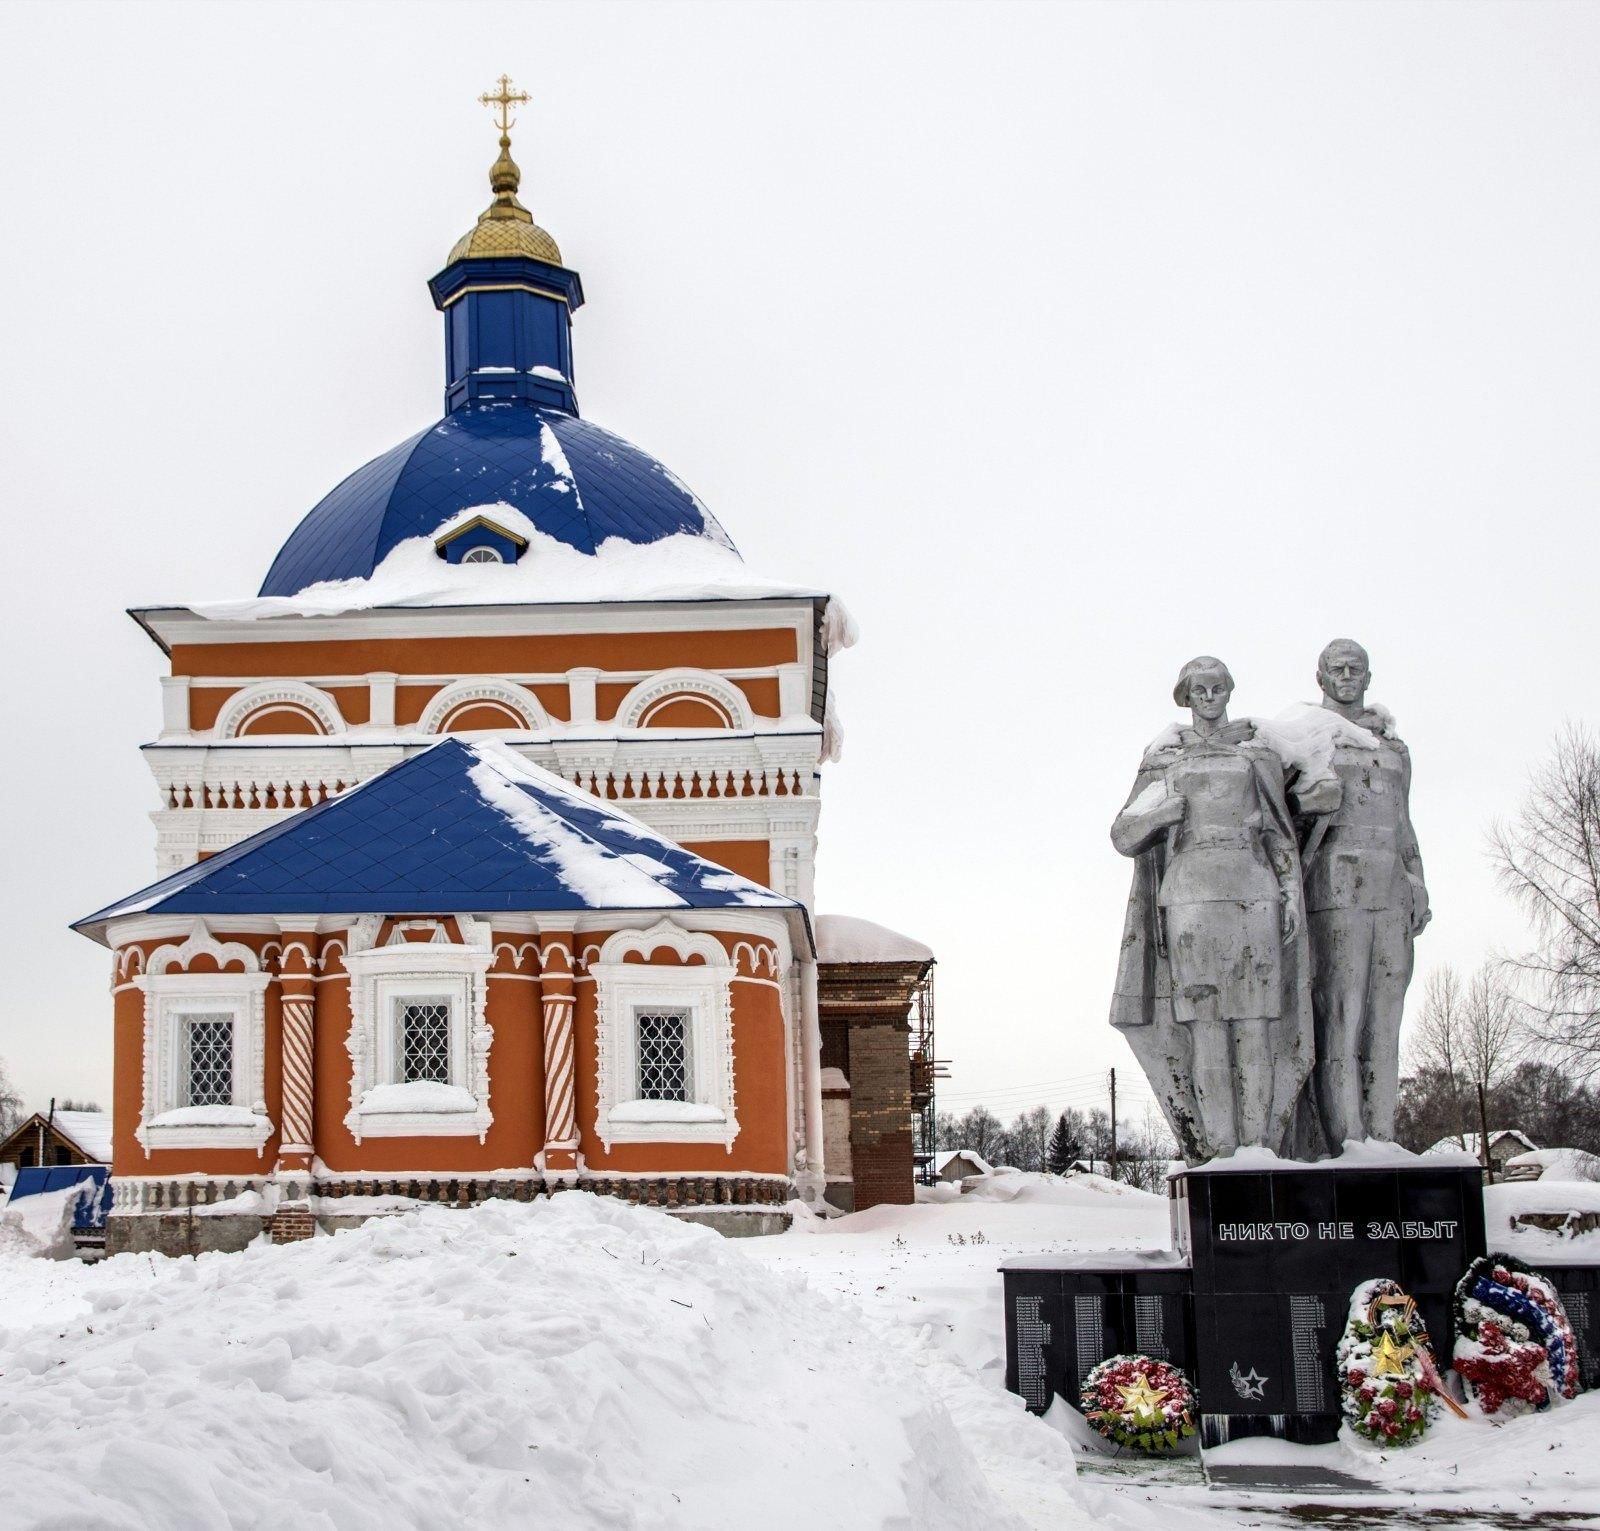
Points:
[(870, 1002)]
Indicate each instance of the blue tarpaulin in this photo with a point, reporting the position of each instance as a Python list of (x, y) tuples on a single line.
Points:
[(93, 1205)]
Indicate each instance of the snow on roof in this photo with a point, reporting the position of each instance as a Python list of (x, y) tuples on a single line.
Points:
[(90, 1130), (844, 938), (941, 1161), (462, 826), (681, 567), (1453, 1145), (1558, 1164)]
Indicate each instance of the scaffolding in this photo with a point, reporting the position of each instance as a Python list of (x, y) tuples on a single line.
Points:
[(927, 1068)]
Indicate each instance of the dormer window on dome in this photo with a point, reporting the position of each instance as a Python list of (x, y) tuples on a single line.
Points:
[(480, 540)]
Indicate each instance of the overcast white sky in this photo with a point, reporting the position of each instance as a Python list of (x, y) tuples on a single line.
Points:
[(1064, 342)]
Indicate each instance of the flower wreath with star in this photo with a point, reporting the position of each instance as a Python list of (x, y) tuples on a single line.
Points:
[(1388, 1382), (1139, 1402)]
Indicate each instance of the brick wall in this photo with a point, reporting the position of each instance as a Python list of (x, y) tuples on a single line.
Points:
[(865, 1012)]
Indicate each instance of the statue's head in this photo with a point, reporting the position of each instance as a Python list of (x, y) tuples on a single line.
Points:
[(1204, 686), (1344, 672)]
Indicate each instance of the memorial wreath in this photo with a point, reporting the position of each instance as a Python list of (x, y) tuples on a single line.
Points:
[(1387, 1377), (1139, 1402), (1515, 1351)]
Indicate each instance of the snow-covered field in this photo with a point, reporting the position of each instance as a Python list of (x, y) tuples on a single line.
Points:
[(577, 1364)]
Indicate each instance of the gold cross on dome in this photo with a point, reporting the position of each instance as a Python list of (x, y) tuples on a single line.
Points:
[(506, 98)]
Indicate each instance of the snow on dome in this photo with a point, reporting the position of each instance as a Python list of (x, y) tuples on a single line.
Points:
[(682, 567), (844, 938), (578, 484)]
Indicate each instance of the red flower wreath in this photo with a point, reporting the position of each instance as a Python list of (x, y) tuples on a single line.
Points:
[(1140, 1403)]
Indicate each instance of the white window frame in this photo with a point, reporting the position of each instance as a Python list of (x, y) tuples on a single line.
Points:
[(703, 991), (483, 553), (381, 981), (169, 999)]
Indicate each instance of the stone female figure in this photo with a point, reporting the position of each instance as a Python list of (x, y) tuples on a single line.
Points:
[(1212, 989)]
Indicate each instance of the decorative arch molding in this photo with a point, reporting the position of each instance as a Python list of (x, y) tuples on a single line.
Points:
[(684, 943), (130, 961), (292, 695), (635, 708), (460, 694), (201, 943), (758, 954)]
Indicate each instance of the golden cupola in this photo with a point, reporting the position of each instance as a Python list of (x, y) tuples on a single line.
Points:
[(505, 228)]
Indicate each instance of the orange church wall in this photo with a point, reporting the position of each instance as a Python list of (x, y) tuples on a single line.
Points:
[(127, 1090), (516, 1088), (760, 1075), (516, 1070), (513, 655), (749, 858)]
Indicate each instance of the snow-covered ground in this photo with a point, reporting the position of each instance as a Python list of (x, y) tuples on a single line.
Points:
[(582, 1365)]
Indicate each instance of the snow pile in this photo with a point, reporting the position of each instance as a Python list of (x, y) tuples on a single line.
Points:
[(1559, 1164), (1508, 1200), (683, 567), (844, 938), (570, 1363), (40, 1226)]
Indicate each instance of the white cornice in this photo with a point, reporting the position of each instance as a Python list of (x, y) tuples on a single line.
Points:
[(169, 625)]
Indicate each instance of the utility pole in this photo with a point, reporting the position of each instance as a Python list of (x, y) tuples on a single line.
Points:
[(1483, 1134), (1113, 1124)]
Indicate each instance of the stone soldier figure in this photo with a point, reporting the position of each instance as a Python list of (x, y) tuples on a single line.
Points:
[(1365, 902), (1212, 992)]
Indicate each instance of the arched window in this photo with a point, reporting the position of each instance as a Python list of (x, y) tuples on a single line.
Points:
[(481, 555)]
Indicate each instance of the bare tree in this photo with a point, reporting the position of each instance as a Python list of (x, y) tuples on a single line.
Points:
[(1548, 859), (1436, 1043), (1491, 1033), (1027, 1138), (11, 1105)]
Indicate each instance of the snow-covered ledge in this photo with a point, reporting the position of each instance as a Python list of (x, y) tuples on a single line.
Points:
[(206, 1127), (382, 1103)]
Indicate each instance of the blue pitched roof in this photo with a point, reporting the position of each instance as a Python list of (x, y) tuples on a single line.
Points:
[(484, 454), (466, 827)]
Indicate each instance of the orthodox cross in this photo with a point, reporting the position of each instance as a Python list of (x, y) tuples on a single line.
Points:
[(506, 98)]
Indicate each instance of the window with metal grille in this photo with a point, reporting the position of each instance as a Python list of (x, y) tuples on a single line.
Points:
[(209, 1048), (663, 1054), (425, 1041)]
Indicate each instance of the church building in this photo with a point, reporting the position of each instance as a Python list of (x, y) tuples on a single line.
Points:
[(486, 840)]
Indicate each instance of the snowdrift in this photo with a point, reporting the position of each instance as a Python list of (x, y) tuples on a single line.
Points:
[(570, 1363)]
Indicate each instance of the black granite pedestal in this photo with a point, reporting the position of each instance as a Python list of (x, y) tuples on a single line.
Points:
[(1252, 1298)]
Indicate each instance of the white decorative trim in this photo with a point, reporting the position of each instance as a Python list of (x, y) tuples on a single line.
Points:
[(703, 989), (635, 707), (461, 693), (168, 997), (380, 976), (201, 943), (280, 693)]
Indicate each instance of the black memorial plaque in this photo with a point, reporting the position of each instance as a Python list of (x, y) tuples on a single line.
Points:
[(1579, 1287), (1060, 1324), (1276, 1255)]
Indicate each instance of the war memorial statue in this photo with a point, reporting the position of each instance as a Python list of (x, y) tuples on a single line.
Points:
[(1277, 889)]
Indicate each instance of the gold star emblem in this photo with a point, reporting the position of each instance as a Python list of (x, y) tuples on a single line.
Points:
[(1389, 1358), (1142, 1401)]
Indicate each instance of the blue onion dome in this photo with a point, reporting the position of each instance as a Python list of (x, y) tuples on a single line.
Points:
[(574, 480), (511, 436)]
